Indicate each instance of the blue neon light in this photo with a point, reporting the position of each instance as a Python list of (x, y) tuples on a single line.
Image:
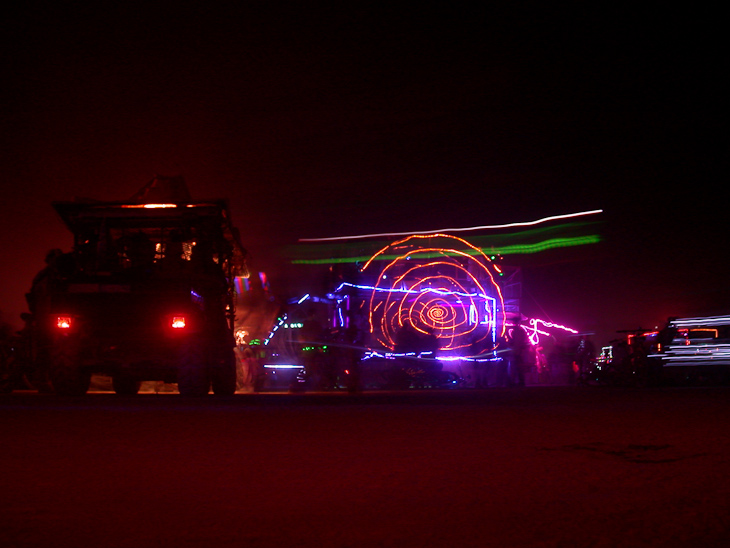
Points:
[(442, 292)]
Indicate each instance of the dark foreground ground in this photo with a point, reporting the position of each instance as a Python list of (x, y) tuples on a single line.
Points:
[(542, 466)]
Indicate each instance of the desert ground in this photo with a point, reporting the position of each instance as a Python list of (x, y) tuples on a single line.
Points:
[(536, 466)]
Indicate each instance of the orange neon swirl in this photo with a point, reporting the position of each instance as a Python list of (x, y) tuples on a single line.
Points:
[(449, 296)]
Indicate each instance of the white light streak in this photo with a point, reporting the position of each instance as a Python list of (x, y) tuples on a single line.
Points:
[(711, 354), (702, 321), (466, 229)]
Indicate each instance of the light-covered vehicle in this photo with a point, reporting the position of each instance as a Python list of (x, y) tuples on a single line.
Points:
[(696, 348)]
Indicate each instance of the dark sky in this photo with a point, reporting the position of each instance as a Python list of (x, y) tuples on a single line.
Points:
[(323, 122)]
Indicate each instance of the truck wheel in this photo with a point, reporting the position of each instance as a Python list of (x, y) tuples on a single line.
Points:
[(39, 380), (67, 377), (7, 371), (223, 373), (192, 378), (124, 385), (37, 373)]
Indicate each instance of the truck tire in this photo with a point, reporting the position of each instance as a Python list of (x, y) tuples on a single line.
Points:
[(192, 377), (66, 376), (7, 371), (124, 385), (223, 373)]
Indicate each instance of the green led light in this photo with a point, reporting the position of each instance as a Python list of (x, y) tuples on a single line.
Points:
[(516, 249)]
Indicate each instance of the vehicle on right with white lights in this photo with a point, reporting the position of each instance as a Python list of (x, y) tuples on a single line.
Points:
[(696, 350)]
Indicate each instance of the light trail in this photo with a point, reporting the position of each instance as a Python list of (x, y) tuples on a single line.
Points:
[(519, 249), (709, 354), (701, 321), (465, 229)]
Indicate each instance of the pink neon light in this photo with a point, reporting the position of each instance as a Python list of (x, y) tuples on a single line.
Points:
[(534, 332)]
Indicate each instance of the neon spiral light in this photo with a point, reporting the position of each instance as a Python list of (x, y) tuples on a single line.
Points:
[(448, 291)]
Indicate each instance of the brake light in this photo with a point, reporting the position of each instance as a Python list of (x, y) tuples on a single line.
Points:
[(63, 322), (178, 322)]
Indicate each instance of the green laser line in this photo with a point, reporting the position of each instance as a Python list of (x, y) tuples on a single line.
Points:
[(518, 249)]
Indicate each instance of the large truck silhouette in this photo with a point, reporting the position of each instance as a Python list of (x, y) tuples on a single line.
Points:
[(147, 293)]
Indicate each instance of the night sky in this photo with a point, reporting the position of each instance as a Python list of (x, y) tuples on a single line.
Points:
[(326, 122)]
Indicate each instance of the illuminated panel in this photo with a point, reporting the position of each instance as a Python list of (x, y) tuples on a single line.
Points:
[(444, 291)]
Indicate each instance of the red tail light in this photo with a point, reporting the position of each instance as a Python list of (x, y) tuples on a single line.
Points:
[(63, 322), (178, 322)]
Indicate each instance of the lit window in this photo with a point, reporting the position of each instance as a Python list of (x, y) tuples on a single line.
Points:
[(187, 252)]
